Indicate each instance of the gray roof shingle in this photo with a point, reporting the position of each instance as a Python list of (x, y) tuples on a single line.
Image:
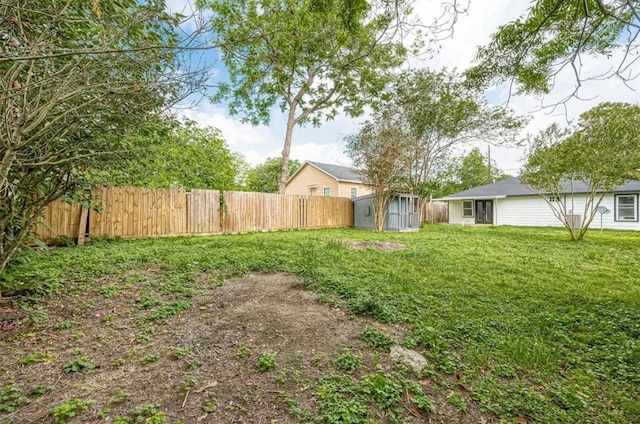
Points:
[(513, 187), (342, 173)]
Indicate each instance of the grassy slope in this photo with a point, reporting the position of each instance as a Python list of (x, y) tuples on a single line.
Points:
[(531, 323)]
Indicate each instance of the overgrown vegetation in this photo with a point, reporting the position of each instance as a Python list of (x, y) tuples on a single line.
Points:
[(520, 322)]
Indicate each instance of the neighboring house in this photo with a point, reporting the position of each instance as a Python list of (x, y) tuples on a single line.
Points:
[(402, 214), (509, 202), (323, 179)]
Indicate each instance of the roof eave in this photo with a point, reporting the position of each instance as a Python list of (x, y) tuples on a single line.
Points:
[(349, 181), (447, 198)]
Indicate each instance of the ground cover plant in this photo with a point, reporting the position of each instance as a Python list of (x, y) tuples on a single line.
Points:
[(517, 324)]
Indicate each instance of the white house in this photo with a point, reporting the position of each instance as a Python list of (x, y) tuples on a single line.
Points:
[(509, 202)]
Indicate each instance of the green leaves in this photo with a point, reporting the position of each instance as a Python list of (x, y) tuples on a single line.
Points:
[(77, 76), (165, 154), (265, 177), (318, 55), (554, 35)]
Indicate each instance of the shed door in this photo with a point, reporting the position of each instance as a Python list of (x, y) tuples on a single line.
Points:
[(484, 211)]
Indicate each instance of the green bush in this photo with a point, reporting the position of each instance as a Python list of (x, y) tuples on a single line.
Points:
[(266, 362)]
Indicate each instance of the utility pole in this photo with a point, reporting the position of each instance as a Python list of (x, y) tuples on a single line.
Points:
[(489, 162)]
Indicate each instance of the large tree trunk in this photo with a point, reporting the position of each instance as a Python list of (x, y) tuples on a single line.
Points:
[(284, 175)]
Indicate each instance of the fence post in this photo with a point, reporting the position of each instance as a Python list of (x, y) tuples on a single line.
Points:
[(82, 227)]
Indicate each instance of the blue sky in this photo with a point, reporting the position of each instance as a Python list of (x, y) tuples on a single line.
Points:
[(325, 144)]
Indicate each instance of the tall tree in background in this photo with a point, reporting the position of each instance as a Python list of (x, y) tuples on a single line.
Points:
[(72, 73), (555, 35), (378, 152), (266, 176), (602, 151), (465, 172), (439, 113), (170, 154), (311, 58)]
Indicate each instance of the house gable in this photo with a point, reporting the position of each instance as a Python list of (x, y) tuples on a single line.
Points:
[(313, 178), (310, 180)]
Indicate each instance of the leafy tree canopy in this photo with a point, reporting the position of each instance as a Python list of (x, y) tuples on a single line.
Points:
[(465, 172), (73, 74), (311, 58), (602, 150), (266, 176), (171, 154), (557, 34), (438, 113)]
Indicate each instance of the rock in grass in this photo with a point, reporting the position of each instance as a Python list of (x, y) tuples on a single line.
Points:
[(408, 357)]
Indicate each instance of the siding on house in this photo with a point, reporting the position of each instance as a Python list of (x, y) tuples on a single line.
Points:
[(455, 214), (526, 211), (344, 189), (309, 176), (534, 211), (516, 204)]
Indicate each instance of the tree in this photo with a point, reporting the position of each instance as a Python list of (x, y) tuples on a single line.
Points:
[(465, 172), (171, 154), (439, 113), (266, 176), (602, 151), (556, 34), (378, 152), (311, 58), (73, 73)]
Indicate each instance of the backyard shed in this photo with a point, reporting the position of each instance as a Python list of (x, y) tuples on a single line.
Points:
[(402, 215)]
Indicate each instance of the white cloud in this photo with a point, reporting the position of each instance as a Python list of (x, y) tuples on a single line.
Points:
[(237, 134)]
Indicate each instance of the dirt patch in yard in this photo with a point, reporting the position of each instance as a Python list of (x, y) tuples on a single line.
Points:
[(382, 246), (137, 346)]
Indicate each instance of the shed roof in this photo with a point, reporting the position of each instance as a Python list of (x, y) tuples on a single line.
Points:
[(513, 187)]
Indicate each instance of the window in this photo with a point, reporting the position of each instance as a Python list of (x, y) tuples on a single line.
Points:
[(354, 192), (327, 191), (467, 208), (312, 191), (553, 198), (626, 207)]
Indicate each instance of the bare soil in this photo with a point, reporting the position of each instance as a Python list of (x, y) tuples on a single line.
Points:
[(383, 246), (213, 383)]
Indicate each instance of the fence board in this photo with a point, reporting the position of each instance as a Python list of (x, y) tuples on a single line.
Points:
[(62, 218), (245, 212), (139, 212), (203, 211), (435, 212)]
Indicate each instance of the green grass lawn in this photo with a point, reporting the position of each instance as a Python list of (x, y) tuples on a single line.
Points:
[(531, 324)]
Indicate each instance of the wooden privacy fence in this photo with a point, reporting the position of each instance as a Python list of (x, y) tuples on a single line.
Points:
[(435, 212), (130, 212)]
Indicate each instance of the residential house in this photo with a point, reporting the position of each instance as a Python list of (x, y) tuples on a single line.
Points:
[(323, 179), (509, 202)]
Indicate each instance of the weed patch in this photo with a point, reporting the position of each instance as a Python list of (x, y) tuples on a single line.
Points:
[(64, 412), (266, 362), (11, 398), (377, 339)]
